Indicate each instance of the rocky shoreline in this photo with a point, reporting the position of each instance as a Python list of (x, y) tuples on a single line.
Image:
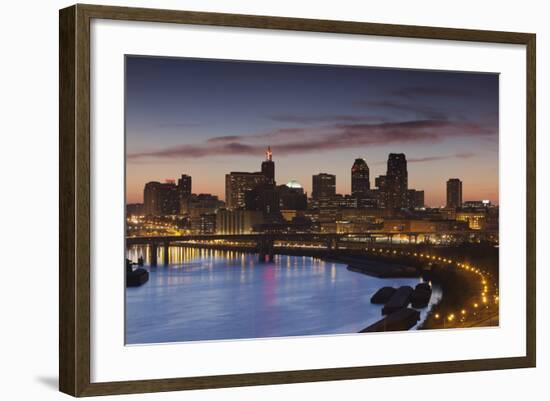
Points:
[(459, 287)]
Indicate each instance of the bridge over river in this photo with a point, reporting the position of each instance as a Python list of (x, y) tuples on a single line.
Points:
[(264, 243)]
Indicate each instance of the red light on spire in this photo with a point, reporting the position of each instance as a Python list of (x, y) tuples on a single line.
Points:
[(268, 153)]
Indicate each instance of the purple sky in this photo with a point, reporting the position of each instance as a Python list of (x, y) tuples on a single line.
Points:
[(206, 118)]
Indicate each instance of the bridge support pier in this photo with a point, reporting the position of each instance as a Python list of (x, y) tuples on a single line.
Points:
[(332, 244), (165, 258), (266, 250), (154, 256)]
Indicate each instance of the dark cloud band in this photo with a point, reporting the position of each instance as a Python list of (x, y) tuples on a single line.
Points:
[(329, 137)]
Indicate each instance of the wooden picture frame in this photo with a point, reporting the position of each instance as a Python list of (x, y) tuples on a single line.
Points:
[(74, 204)]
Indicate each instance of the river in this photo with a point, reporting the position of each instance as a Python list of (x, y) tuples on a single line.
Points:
[(221, 295)]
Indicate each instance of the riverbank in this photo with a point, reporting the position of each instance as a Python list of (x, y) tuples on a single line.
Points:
[(463, 303), (470, 295), (378, 268)]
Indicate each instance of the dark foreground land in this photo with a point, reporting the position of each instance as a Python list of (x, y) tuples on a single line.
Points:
[(467, 275)]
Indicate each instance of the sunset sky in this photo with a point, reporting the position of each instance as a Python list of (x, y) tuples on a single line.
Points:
[(206, 118)]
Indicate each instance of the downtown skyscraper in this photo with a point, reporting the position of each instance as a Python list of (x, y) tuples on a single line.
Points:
[(237, 183), (185, 185), (396, 181), (323, 186), (161, 198), (268, 167), (253, 190), (360, 180), (454, 193)]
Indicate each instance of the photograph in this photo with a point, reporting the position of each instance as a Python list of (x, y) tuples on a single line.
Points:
[(268, 199)]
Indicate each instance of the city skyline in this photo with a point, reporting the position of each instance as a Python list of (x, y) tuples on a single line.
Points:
[(225, 113), (294, 183)]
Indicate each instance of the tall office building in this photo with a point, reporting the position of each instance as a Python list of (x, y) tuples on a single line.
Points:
[(324, 186), (454, 193), (380, 193), (161, 198), (263, 198), (236, 186), (415, 199), (184, 185), (292, 196), (396, 181), (360, 181), (151, 198), (268, 167)]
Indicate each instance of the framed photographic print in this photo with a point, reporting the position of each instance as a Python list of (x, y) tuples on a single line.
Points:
[(250, 200)]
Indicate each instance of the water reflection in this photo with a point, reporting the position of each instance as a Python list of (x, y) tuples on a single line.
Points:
[(212, 295)]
